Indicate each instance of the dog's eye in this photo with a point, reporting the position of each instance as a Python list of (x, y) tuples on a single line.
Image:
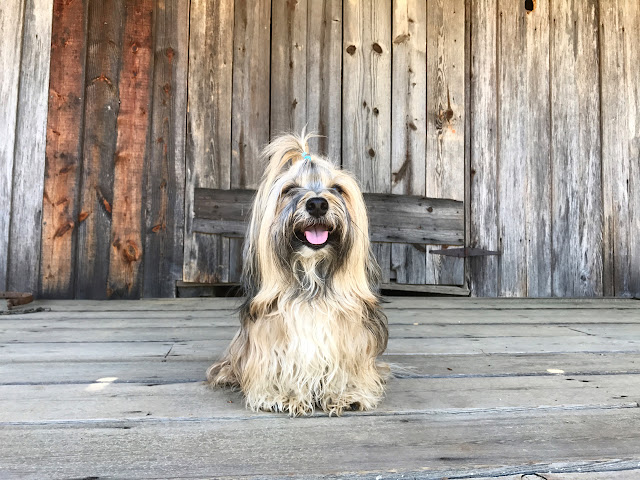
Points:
[(338, 189), (288, 188)]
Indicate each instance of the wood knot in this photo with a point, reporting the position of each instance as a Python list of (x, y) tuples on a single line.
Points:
[(376, 48), (62, 229), (134, 47), (372, 152), (131, 252), (169, 53), (351, 49), (82, 216)]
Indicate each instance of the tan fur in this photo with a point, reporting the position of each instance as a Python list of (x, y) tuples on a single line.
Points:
[(312, 326)]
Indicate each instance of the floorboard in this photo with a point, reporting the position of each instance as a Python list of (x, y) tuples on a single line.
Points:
[(484, 389)]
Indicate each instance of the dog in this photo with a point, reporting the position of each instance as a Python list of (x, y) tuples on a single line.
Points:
[(311, 326)]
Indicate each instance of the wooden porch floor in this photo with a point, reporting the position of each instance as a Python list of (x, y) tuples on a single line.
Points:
[(514, 389)]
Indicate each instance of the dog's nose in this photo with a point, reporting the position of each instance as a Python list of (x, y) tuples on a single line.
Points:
[(317, 207)]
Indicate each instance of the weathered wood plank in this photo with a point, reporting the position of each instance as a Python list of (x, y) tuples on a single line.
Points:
[(225, 329), (543, 308), (366, 111), (324, 74), (23, 267), (288, 66), (408, 123), (524, 124), (165, 173), (429, 346), (211, 63), (446, 116), (125, 259), (110, 399), (250, 104), (575, 141), (64, 150), (366, 99), (483, 163), (11, 33), (105, 30), (210, 349), (620, 88), (479, 444), (393, 218), (175, 370), (227, 315)]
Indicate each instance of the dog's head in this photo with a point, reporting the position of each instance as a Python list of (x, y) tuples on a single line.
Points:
[(308, 223)]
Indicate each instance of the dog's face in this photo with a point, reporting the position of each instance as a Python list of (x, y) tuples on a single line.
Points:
[(308, 228), (312, 216)]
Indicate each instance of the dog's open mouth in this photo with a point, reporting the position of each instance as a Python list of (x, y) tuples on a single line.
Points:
[(315, 236)]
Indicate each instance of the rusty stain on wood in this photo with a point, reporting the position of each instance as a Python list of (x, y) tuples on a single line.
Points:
[(134, 87), (63, 147), (64, 228)]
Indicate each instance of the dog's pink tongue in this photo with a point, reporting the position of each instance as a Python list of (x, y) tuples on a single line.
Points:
[(316, 235)]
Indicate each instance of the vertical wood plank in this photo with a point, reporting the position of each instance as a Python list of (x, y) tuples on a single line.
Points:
[(206, 256), (11, 31), (250, 104), (288, 66), (324, 76), (63, 149), (165, 172), (577, 189), (366, 108), (537, 135), (408, 124), (524, 150), (104, 57), (483, 161), (125, 260), (620, 86), (30, 141), (445, 130)]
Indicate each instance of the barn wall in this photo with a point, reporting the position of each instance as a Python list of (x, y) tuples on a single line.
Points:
[(25, 36), (114, 177), (93, 205), (555, 138)]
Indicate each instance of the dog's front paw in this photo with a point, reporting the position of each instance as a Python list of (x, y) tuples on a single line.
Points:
[(222, 375)]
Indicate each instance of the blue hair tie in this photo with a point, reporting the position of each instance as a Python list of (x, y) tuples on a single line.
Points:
[(306, 156)]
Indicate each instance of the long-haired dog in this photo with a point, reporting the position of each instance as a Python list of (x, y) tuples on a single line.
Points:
[(311, 326)]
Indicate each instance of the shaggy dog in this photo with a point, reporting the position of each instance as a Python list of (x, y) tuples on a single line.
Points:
[(311, 326)]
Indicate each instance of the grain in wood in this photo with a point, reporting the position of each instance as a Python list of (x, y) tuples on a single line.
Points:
[(324, 77), (60, 213), (575, 141), (288, 66), (620, 89), (105, 36), (165, 170), (23, 267), (524, 151), (206, 257), (250, 103), (11, 31), (126, 254), (408, 123), (483, 161)]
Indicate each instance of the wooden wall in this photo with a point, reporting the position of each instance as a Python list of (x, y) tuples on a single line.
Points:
[(555, 131), (114, 176), (281, 65), (25, 36), (540, 110)]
